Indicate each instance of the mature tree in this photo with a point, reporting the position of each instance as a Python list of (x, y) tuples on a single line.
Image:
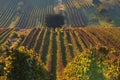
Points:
[(54, 20)]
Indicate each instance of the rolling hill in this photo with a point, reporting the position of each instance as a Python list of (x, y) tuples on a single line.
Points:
[(77, 13), (87, 24), (57, 47)]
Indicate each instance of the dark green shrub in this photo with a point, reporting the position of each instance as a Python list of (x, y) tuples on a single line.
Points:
[(54, 20)]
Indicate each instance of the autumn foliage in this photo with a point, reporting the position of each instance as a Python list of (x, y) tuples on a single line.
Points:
[(22, 64), (99, 63)]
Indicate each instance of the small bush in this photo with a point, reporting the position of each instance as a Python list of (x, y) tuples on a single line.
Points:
[(14, 35)]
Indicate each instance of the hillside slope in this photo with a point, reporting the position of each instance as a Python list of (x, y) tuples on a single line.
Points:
[(57, 47), (77, 13)]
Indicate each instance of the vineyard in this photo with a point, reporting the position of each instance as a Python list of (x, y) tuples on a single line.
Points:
[(57, 47), (23, 24), (27, 14)]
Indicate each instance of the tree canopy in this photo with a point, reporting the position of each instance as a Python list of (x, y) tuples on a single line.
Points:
[(54, 20)]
